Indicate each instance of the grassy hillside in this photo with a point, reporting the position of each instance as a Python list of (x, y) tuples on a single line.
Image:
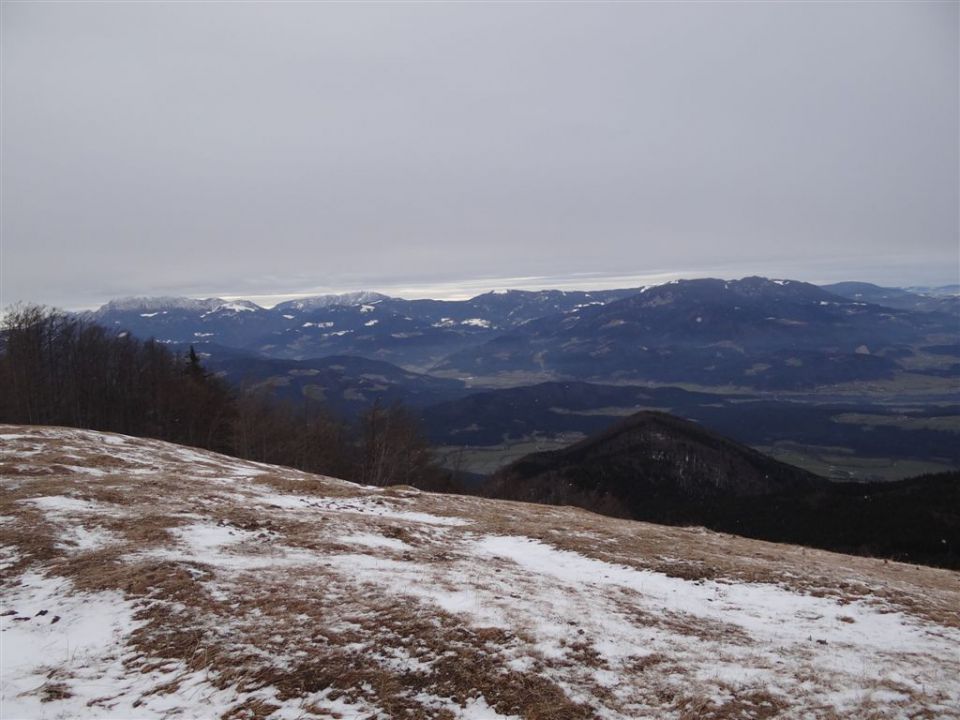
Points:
[(144, 579)]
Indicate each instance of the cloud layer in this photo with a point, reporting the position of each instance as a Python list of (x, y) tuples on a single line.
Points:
[(263, 148)]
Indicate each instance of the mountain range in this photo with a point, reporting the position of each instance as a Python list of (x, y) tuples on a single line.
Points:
[(754, 333), (849, 369), (411, 333)]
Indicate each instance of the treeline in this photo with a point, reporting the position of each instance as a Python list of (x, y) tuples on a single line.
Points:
[(56, 369)]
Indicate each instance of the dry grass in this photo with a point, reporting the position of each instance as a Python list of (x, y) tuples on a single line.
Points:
[(303, 484), (752, 705), (308, 630), (51, 691)]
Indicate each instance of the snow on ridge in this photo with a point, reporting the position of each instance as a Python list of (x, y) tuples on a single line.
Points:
[(318, 302), (237, 306), (150, 304), (161, 305), (476, 322)]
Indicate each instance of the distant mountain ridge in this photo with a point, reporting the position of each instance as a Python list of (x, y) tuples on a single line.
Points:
[(324, 301), (929, 300), (753, 332), (138, 304), (412, 333)]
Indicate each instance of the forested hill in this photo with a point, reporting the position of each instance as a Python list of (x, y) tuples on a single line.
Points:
[(656, 467)]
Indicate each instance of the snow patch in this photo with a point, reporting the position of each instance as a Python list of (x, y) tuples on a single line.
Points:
[(366, 505), (374, 541), (77, 538), (237, 306)]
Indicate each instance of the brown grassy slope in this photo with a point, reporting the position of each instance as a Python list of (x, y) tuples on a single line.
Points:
[(264, 590)]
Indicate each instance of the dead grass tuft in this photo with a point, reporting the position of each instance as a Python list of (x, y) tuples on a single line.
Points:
[(149, 531), (53, 690), (251, 709), (687, 571), (641, 663), (745, 705)]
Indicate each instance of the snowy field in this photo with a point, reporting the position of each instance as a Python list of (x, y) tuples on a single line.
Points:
[(146, 580)]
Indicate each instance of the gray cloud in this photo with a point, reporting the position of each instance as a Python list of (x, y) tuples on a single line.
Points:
[(271, 148)]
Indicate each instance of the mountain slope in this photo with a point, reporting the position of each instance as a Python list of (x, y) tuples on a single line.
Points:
[(150, 580), (653, 466)]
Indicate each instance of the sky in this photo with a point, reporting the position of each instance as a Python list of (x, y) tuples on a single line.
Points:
[(274, 149)]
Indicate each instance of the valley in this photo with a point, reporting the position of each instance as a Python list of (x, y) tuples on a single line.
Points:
[(826, 378)]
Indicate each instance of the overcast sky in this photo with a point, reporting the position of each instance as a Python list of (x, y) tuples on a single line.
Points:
[(264, 149)]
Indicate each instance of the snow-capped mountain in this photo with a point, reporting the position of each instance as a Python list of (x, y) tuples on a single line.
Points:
[(412, 333), (187, 320), (753, 332), (161, 304), (316, 302)]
